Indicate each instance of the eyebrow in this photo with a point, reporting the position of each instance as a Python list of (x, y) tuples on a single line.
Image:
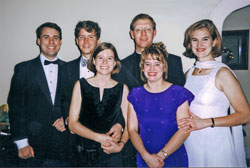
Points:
[(49, 35)]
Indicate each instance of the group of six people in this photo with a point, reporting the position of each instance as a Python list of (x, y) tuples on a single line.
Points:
[(98, 110)]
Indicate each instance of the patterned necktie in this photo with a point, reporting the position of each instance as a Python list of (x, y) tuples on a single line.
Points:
[(84, 62), (46, 62)]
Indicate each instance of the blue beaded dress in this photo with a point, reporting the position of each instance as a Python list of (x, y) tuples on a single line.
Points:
[(156, 115)]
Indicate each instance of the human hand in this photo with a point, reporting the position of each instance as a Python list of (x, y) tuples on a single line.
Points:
[(113, 148), (153, 160), (104, 140), (115, 132), (190, 124), (26, 152), (59, 124)]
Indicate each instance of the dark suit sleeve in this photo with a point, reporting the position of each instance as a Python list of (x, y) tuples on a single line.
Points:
[(66, 92), (16, 102), (175, 71)]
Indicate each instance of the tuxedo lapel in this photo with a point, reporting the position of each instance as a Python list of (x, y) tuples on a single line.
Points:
[(41, 79), (75, 73), (59, 82)]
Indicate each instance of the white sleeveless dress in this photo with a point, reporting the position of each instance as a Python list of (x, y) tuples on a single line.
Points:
[(218, 146)]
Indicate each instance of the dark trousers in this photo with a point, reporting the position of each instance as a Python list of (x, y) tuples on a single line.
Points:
[(95, 157), (129, 155), (35, 162)]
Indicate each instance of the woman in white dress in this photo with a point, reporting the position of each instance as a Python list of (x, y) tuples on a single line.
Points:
[(216, 138)]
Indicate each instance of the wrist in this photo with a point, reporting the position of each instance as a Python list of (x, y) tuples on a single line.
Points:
[(164, 154), (121, 142), (212, 125), (145, 156)]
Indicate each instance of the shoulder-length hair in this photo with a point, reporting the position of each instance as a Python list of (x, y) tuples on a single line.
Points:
[(156, 51), (101, 47), (217, 49)]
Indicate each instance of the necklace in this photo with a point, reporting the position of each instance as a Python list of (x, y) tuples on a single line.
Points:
[(199, 70)]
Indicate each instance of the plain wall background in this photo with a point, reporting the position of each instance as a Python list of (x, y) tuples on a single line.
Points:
[(20, 18)]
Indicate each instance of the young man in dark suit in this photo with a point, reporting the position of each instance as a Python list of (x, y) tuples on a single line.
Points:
[(143, 31), (36, 118), (87, 37)]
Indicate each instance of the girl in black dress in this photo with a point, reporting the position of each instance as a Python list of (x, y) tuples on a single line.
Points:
[(98, 104)]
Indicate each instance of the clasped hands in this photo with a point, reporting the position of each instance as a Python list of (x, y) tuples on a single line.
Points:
[(154, 160), (109, 141)]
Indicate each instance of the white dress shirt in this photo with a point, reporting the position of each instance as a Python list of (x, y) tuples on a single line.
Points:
[(84, 71), (51, 71)]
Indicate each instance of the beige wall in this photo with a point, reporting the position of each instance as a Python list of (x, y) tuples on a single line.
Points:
[(20, 18)]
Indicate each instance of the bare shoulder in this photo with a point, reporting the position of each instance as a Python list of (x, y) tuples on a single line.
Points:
[(125, 88), (77, 84), (225, 73), (224, 78)]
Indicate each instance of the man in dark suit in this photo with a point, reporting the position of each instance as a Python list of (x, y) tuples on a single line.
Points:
[(143, 31), (36, 119), (87, 37)]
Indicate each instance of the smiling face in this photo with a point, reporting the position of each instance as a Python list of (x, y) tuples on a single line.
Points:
[(143, 34), (87, 42), (49, 42), (105, 62), (202, 44), (153, 69)]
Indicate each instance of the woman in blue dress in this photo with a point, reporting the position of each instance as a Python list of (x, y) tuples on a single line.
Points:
[(153, 111)]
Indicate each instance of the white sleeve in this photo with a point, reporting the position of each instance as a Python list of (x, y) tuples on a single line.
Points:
[(21, 143)]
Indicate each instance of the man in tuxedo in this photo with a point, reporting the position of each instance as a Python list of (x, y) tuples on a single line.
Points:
[(36, 118), (143, 31)]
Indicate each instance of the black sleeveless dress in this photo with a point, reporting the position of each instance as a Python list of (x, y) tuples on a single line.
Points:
[(99, 116)]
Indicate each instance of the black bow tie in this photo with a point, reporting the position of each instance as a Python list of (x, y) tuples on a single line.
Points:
[(46, 62)]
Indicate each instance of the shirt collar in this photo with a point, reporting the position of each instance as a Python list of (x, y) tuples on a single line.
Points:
[(43, 58)]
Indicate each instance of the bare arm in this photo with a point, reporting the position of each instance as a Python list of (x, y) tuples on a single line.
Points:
[(76, 126), (152, 160), (227, 83), (180, 136)]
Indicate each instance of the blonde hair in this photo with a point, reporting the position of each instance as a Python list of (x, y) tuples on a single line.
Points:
[(217, 49), (156, 51)]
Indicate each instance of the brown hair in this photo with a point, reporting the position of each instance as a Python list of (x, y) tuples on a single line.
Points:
[(156, 51), (217, 49), (142, 16), (89, 26), (100, 48)]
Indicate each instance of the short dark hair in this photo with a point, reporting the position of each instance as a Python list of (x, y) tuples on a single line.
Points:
[(142, 16), (89, 26), (50, 25), (100, 48), (156, 51), (209, 25)]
